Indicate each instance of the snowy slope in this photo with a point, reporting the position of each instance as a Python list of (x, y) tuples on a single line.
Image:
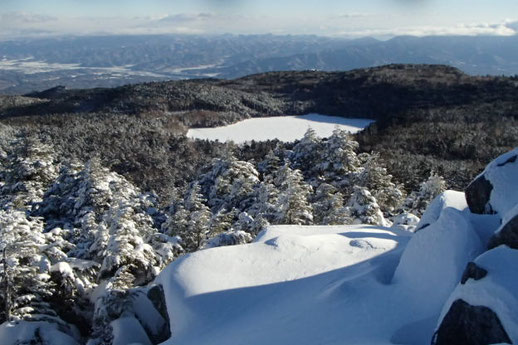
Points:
[(294, 285), (284, 128)]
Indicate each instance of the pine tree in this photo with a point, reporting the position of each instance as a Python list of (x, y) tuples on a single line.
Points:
[(374, 176), (270, 163), (328, 206), (29, 168), (418, 201), (363, 208), (191, 221), (292, 205), (340, 153), (26, 270), (229, 183), (265, 198), (306, 152)]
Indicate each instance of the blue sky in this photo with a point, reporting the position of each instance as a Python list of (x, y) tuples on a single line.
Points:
[(379, 18)]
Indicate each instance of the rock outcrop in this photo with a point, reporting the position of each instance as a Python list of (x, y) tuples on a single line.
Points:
[(491, 191), (467, 324), (483, 307)]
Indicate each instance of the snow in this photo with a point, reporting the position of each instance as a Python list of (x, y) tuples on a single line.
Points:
[(23, 332), (147, 314), (63, 268), (294, 284), (127, 330), (496, 291), (449, 198), (405, 221), (283, 128), (435, 258), (308, 255)]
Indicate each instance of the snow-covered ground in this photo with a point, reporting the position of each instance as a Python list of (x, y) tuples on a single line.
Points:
[(284, 128), (293, 285)]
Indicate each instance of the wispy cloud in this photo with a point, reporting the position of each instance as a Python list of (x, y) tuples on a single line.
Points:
[(352, 15), (24, 18)]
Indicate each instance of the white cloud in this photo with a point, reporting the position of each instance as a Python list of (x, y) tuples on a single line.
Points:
[(506, 28), (186, 17)]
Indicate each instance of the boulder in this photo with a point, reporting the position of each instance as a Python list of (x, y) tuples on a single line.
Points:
[(489, 192), (474, 272), (470, 325), (507, 233), (482, 308), (478, 194), (157, 297)]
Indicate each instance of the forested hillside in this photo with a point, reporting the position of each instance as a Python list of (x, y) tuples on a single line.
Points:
[(422, 113)]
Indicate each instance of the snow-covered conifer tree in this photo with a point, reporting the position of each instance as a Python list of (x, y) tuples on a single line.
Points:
[(191, 221), (328, 206), (418, 201), (306, 153), (374, 176), (229, 183), (29, 168), (363, 208), (292, 204)]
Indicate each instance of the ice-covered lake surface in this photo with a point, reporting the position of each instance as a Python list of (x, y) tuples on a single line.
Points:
[(284, 128)]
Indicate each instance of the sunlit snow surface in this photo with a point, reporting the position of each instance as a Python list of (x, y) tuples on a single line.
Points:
[(293, 285), (284, 128)]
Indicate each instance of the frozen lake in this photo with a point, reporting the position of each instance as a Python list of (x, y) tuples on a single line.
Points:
[(284, 128)]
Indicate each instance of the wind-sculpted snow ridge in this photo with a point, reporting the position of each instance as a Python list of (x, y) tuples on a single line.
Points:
[(283, 128), (359, 284)]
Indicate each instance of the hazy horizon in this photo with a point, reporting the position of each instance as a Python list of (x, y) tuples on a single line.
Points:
[(377, 18)]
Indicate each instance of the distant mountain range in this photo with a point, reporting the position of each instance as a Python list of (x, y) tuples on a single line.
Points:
[(85, 62)]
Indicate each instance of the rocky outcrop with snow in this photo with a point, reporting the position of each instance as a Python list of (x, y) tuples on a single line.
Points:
[(483, 307)]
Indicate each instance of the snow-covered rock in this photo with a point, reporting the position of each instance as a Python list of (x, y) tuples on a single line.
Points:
[(405, 221), (449, 198), (128, 330), (23, 332), (491, 192), (483, 307), (507, 233), (435, 258), (483, 310)]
